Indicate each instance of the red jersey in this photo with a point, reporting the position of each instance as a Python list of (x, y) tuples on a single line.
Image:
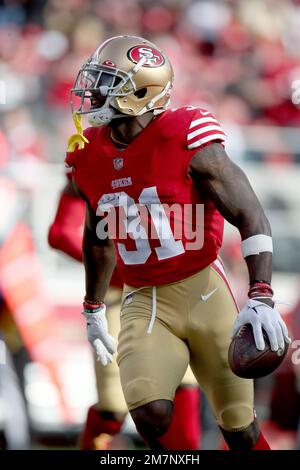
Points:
[(166, 231)]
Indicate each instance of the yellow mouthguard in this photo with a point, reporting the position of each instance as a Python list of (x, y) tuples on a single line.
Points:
[(78, 139)]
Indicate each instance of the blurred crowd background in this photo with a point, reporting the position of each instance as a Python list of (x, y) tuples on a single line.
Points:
[(238, 58)]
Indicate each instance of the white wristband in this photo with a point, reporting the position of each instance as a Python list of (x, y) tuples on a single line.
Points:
[(257, 244)]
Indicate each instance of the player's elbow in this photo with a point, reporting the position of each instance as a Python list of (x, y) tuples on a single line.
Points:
[(253, 222), (260, 223), (97, 251), (266, 227)]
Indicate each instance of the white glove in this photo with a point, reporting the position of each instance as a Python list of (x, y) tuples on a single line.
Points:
[(261, 315), (102, 342)]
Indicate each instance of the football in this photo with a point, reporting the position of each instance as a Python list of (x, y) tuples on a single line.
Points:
[(248, 362)]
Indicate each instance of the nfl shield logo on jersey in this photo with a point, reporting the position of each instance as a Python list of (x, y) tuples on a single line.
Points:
[(118, 163)]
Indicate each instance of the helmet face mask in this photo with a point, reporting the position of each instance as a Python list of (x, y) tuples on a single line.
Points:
[(129, 74), (100, 81)]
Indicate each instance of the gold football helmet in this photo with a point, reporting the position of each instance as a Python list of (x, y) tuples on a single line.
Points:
[(125, 76)]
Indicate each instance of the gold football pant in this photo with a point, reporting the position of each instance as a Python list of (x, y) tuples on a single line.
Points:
[(165, 328), (109, 388)]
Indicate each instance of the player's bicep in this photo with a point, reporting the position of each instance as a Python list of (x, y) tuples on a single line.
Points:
[(223, 182)]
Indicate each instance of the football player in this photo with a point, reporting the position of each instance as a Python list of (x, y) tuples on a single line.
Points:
[(146, 172), (105, 418)]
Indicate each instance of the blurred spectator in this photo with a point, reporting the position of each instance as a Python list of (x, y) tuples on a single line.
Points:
[(237, 58)]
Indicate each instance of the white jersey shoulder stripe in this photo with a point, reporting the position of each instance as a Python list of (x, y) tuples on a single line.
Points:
[(206, 139), (203, 120), (203, 130)]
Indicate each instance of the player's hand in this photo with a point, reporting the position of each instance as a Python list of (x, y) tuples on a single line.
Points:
[(102, 342), (262, 316)]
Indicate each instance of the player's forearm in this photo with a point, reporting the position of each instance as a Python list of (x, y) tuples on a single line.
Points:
[(260, 267), (99, 262), (253, 223)]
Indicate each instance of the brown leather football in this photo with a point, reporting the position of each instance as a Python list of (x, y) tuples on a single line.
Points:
[(248, 362)]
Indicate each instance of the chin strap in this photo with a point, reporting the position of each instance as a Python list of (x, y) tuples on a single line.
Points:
[(78, 139), (151, 103)]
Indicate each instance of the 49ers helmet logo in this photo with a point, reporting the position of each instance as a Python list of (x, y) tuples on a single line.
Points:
[(153, 56)]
